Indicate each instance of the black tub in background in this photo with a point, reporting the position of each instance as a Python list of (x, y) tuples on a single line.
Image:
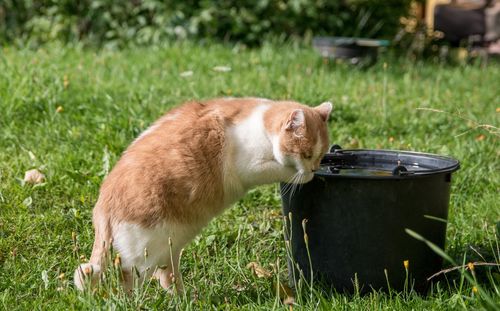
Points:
[(357, 208)]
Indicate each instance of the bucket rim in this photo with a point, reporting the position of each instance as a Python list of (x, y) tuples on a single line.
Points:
[(450, 164)]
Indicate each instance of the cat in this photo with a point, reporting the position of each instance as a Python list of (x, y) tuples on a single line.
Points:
[(189, 166)]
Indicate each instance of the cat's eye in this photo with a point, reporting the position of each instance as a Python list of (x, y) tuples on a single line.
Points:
[(308, 157)]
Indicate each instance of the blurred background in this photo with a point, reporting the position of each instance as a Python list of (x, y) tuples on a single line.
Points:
[(418, 28)]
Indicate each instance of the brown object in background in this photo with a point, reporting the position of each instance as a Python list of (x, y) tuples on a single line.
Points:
[(492, 20)]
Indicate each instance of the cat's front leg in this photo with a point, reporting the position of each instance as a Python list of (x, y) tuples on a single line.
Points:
[(273, 171)]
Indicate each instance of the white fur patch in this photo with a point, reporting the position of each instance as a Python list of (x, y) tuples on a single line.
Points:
[(249, 145), (133, 241), (252, 156)]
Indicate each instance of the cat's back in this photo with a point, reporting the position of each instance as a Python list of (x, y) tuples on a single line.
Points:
[(178, 161), (194, 120)]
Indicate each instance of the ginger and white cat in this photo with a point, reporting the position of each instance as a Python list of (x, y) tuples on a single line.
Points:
[(187, 168)]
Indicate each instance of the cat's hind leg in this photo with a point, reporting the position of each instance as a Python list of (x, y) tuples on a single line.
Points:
[(89, 273), (156, 248)]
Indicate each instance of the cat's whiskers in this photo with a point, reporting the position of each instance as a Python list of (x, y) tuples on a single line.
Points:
[(301, 180), (286, 188), (295, 182), (289, 184)]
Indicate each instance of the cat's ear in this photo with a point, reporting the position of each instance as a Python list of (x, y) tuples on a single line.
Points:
[(324, 110), (295, 120)]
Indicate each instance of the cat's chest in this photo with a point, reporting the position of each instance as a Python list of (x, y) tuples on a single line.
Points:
[(241, 165)]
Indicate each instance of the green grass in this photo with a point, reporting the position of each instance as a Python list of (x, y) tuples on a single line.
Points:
[(111, 96)]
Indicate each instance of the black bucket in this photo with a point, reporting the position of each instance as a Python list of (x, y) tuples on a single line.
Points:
[(357, 208)]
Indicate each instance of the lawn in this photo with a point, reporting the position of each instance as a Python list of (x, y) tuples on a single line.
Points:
[(70, 112)]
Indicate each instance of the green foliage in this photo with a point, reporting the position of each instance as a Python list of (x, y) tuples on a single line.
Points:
[(114, 22)]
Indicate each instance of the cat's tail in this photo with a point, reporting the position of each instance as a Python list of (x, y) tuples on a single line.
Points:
[(88, 274)]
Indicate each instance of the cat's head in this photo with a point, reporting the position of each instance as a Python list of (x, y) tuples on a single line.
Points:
[(302, 140)]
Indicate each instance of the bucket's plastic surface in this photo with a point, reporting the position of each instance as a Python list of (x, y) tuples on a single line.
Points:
[(357, 208)]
